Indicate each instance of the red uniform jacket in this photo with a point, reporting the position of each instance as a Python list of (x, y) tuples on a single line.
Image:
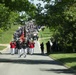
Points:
[(12, 45), (31, 45)]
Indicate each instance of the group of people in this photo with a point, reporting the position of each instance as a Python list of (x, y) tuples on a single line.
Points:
[(22, 48), (51, 46), (20, 45)]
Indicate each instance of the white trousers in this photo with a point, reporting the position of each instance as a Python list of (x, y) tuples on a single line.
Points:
[(25, 51), (31, 50), (19, 52), (22, 51), (12, 50)]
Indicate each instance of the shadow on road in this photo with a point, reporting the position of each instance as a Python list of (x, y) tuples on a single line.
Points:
[(35, 62), (66, 71), (28, 61)]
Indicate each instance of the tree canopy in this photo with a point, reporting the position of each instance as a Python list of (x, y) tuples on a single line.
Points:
[(60, 14), (9, 12)]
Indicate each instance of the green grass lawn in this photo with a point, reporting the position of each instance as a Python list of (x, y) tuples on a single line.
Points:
[(2, 47), (68, 59), (7, 35)]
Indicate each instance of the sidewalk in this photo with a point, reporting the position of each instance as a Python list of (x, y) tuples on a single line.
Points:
[(7, 47), (4, 44)]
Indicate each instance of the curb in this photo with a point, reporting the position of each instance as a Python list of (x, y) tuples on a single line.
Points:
[(74, 71), (5, 49)]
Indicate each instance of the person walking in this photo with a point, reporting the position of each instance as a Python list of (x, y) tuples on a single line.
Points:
[(31, 47), (24, 46), (13, 47), (33, 43), (42, 47), (28, 46), (19, 46)]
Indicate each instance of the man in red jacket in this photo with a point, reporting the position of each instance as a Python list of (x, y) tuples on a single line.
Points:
[(12, 46), (31, 47)]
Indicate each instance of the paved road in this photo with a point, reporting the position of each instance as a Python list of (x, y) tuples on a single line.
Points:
[(35, 64)]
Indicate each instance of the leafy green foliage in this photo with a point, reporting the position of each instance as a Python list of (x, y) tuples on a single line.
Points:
[(7, 17), (3, 16), (21, 5), (62, 17), (9, 12)]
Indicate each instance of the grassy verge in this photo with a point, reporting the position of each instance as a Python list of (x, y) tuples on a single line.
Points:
[(2, 47), (68, 59), (7, 35)]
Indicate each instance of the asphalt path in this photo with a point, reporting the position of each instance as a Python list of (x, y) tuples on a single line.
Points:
[(36, 64)]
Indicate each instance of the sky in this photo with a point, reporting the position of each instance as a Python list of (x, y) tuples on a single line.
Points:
[(42, 3), (37, 1)]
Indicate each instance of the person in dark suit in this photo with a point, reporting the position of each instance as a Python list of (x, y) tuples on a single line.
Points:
[(19, 47), (48, 47), (42, 47)]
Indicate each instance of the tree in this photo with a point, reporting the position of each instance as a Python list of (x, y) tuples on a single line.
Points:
[(12, 9), (62, 16), (3, 16)]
